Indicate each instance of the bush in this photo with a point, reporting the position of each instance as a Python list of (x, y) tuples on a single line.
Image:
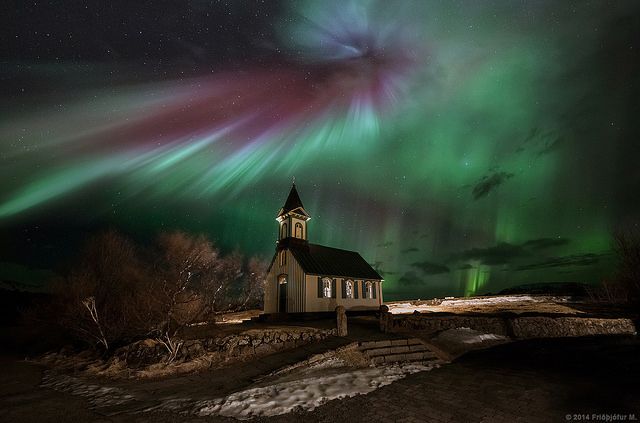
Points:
[(118, 293)]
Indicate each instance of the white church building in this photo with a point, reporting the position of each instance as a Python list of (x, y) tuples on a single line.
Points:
[(305, 277)]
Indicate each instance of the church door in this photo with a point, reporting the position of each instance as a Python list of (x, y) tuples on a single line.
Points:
[(282, 297)]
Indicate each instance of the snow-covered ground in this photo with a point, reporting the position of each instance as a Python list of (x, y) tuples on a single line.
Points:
[(298, 394), (468, 336), (503, 299), (303, 389), (514, 303), (458, 341), (97, 395), (301, 394)]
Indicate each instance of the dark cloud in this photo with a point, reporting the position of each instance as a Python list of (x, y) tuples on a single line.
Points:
[(409, 250), (488, 183), (550, 146), (378, 266), (564, 261), (465, 266), (499, 254), (410, 278), (504, 253), (532, 134), (544, 243), (431, 268)]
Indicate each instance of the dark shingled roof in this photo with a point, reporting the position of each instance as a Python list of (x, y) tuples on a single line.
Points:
[(293, 202), (321, 260)]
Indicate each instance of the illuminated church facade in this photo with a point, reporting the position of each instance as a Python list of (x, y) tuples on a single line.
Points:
[(305, 277)]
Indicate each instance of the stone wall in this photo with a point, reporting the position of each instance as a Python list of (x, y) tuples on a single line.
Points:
[(550, 327), (433, 323), (236, 347), (511, 325)]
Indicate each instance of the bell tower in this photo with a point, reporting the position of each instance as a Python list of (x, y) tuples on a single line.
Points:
[(292, 218)]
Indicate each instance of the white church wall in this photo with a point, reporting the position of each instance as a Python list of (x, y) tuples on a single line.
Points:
[(313, 303)]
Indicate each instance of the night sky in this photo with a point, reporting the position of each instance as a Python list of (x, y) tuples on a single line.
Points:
[(460, 146)]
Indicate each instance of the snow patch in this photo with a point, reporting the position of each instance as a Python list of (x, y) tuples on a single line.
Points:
[(468, 336), (458, 303), (98, 396), (480, 301), (303, 390), (293, 395)]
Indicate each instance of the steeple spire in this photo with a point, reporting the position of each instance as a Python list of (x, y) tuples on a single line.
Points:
[(292, 217), (293, 203)]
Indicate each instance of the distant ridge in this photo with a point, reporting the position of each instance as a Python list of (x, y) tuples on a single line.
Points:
[(574, 289)]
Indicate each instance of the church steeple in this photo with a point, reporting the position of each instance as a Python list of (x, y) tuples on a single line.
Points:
[(292, 217)]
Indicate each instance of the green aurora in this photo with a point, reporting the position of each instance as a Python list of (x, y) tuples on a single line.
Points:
[(507, 154)]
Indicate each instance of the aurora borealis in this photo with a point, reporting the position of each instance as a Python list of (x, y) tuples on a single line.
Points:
[(463, 147)]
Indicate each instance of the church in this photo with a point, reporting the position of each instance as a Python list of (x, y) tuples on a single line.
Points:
[(305, 277)]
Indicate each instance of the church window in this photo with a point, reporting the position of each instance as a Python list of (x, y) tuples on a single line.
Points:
[(369, 290), (284, 230), (349, 288), (299, 230), (326, 287), (283, 257)]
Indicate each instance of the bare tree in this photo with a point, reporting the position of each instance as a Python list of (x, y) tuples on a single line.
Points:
[(624, 286), (184, 263), (219, 286), (254, 280), (627, 248), (104, 298), (90, 305), (118, 293)]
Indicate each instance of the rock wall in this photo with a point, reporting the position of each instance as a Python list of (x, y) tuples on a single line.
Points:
[(236, 347), (551, 327), (431, 324), (512, 326)]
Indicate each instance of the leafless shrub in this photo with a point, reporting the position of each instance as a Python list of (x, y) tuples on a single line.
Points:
[(103, 299), (183, 275), (610, 292), (624, 287), (627, 248), (118, 293), (251, 293)]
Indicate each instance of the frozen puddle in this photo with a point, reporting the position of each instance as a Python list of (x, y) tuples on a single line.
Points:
[(298, 394)]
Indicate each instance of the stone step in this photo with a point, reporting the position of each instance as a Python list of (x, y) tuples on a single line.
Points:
[(373, 352), (394, 358), (395, 350), (365, 345)]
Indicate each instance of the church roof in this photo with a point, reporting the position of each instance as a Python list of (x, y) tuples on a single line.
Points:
[(293, 203), (320, 260)]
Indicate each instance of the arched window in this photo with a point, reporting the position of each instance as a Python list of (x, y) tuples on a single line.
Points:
[(282, 279), (326, 287), (284, 231), (283, 257), (369, 290), (299, 230), (349, 288)]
